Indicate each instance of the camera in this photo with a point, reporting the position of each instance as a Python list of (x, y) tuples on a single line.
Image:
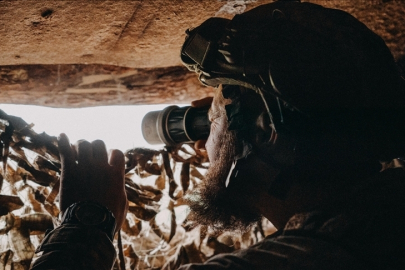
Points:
[(176, 125)]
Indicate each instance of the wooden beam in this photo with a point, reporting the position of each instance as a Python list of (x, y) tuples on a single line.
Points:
[(95, 85)]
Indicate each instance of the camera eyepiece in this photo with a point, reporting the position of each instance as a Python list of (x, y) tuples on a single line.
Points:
[(175, 125)]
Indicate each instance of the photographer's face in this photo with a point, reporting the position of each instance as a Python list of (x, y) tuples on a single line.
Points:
[(233, 206), (218, 130), (245, 199)]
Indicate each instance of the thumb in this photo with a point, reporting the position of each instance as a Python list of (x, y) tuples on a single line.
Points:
[(67, 157)]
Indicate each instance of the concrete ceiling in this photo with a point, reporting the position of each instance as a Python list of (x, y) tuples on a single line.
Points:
[(88, 53)]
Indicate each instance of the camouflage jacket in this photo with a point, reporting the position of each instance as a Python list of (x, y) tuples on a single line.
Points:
[(368, 234)]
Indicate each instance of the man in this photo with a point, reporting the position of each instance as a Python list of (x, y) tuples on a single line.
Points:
[(306, 130)]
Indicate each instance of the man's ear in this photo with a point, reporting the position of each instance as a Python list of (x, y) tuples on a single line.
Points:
[(264, 131), (285, 147), (281, 149)]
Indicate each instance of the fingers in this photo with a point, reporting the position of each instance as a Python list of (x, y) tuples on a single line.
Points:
[(99, 152), (204, 102), (117, 159), (84, 151), (88, 153), (200, 144)]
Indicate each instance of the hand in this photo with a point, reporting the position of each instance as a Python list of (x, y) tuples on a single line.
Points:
[(204, 102), (89, 174)]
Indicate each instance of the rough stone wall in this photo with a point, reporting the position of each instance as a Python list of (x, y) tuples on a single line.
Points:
[(50, 48), (80, 85)]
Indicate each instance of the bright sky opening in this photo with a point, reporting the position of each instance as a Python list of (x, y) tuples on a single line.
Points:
[(118, 126)]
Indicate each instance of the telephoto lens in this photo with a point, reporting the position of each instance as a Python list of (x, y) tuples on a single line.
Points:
[(176, 125)]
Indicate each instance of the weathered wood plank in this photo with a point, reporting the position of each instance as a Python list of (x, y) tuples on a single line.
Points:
[(95, 85)]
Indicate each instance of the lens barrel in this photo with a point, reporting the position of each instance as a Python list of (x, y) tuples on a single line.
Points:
[(175, 125)]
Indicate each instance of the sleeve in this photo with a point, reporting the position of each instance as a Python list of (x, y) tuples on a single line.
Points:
[(248, 259), (282, 253), (75, 247)]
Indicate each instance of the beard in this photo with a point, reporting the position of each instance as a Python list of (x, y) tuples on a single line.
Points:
[(215, 205)]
